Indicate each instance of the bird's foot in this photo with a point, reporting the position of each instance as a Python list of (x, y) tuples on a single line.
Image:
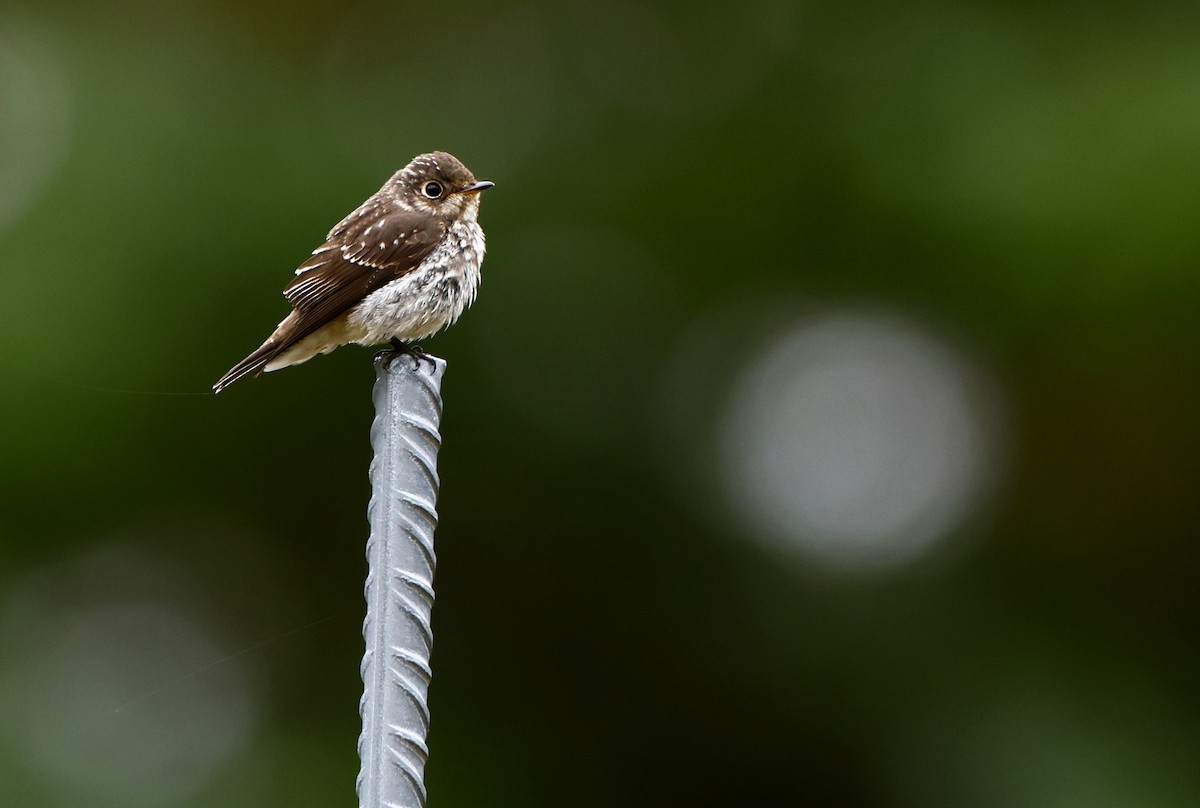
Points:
[(400, 348)]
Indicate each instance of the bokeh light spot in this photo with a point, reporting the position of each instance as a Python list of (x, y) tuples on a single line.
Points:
[(125, 698), (858, 439), (34, 117)]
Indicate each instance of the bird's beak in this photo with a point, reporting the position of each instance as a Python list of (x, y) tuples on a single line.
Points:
[(482, 185)]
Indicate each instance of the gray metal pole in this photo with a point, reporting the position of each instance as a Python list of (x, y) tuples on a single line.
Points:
[(399, 589)]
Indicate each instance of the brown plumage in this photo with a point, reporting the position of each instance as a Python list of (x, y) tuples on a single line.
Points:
[(403, 265)]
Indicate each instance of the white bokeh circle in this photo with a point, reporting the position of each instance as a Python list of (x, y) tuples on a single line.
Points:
[(857, 438)]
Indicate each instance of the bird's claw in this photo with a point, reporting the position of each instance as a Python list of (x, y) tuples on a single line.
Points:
[(400, 348)]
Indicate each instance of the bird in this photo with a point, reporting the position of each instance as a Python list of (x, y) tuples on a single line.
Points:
[(403, 266)]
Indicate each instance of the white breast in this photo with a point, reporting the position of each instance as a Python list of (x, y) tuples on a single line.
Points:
[(430, 297)]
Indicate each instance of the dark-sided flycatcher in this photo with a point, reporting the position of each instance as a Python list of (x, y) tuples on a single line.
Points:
[(400, 268)]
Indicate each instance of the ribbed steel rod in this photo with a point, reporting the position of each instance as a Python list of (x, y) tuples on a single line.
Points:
[(399, 588)]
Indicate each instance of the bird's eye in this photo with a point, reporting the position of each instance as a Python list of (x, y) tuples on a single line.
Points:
[(432, 190)]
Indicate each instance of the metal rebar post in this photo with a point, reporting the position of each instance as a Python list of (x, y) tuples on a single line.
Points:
[(399, 589)]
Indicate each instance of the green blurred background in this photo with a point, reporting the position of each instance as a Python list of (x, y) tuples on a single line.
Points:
[(825, 432)]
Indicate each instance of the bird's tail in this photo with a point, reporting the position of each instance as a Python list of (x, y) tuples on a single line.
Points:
[(254, 363)]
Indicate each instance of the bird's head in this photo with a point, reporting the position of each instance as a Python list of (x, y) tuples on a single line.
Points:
[(439, 184)]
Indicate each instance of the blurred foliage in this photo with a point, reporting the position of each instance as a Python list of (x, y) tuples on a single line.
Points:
[(1022, 176)]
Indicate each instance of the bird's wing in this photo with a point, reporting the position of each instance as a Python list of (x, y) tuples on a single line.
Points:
[(375, 244)]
